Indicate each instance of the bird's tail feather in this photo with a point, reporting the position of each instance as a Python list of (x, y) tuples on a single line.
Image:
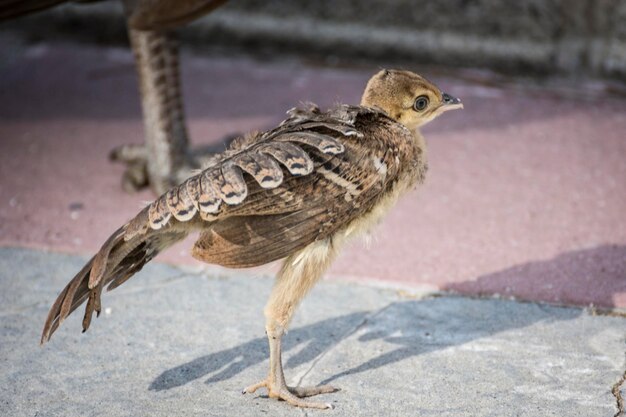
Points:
[(122, 255)]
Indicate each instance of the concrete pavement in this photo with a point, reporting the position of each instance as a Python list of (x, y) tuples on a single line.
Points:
[(171, 342)]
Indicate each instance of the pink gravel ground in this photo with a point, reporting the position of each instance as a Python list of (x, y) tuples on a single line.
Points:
[(525, 197)]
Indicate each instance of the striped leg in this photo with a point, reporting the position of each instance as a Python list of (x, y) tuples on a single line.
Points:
[(162, 161)]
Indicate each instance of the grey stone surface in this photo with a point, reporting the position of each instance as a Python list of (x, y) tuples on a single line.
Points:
[(569, 36), (171, 342)]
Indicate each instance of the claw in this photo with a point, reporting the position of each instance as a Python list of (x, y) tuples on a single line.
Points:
[(294, 395), (252, 388)]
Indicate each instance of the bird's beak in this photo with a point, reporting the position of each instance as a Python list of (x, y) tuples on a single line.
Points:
[(450, 103)]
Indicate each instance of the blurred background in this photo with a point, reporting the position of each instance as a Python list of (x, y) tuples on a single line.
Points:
[(529, 37), (526, 195)]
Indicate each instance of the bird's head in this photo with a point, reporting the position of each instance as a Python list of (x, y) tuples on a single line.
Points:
[(407, 97)]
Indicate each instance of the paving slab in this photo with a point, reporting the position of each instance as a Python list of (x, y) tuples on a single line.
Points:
[(173, 342), (525, 195)]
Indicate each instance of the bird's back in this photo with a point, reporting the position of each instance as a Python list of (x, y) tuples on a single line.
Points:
[(318, 176), (338, 166)]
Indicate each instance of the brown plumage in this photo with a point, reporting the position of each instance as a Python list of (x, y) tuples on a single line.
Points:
[(295, 192)]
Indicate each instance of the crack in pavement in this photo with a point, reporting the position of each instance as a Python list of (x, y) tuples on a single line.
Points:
[(344, 336), (616, 391)]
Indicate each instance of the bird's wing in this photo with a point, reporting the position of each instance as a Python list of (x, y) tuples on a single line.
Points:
[(334, 167), (270, 195)]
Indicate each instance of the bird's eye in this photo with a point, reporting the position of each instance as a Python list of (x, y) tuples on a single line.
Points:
[(420, 103)]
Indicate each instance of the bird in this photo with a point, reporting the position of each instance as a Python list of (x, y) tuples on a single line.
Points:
[(297, 192), (165, 158)]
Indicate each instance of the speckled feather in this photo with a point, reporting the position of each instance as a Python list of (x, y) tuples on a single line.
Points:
[(260, 156), (269, 195)]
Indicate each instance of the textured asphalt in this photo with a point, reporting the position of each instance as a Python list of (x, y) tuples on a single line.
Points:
[(171, 342), (525, 196)]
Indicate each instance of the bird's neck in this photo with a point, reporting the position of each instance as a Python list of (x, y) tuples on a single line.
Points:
[(419, 139), (421, 155)]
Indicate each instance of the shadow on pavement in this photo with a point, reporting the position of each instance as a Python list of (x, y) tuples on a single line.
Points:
[(570, 278), (423, 326), (417, 327), (319, 336)]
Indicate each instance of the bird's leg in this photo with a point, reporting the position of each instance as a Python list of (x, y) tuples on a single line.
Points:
[(297, 276), (276, 385), (162, 161)]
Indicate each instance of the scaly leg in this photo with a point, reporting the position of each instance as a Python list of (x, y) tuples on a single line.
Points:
[(163, 160), (297, 276)]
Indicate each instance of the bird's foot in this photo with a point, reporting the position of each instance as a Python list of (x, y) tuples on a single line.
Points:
[(294, 395), (137, 174), (135, 157)]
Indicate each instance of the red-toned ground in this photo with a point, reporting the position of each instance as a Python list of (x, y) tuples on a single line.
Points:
[(526, 194)]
